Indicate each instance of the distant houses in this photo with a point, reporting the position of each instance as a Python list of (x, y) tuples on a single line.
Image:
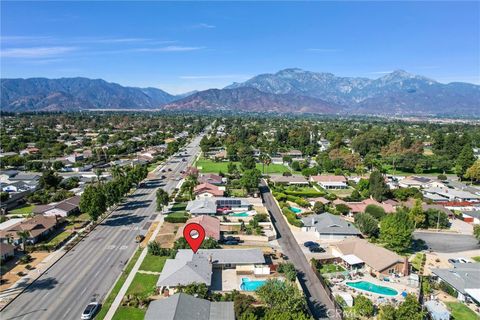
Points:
[(464, 278), (288, 180), (330, 181), (63, 208)]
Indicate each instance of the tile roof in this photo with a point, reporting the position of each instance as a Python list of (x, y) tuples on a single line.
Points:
[(210, 224)]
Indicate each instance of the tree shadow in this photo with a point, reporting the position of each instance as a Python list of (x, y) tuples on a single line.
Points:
[(42, 284), (133, 205), (123, 220)]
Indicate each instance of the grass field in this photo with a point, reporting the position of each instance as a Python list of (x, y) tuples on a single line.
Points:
[(153, 263), (59, 238), (129, 313), (476, 258), (109, 300), (181, 206), (143, 284), (329, 268), (209, 166), (461, 311), (23, 210)]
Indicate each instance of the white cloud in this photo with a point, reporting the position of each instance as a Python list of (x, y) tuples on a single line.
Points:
[(204, 26), (169, 49), (380, 72), (35, 52)]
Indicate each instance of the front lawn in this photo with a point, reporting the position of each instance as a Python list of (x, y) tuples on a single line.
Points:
[(476, 258), (153, 263), (143, 284), (59, 238), (180, 206), (330, 268), (129, 313), (23, 210), (461, 311)]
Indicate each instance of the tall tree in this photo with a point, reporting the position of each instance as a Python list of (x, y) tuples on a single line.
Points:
[(162, 198), (281, 296), (396, 231), (93, 201), (23, 235), (473, 173), (377, 186), (465, 160), (416, 213)]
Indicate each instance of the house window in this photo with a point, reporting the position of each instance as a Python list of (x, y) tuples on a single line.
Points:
[(391, 271)]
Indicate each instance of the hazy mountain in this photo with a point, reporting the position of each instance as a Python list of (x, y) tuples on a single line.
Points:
[(398, 92), (251, 99), (69, 94)]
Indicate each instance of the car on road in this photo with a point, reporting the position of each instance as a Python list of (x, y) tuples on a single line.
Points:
[(315, 249), (90, 310), (309, 244), (459, 260), (169, 169)]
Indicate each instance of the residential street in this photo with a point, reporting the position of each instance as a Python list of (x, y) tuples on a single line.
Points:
[(89, 270), (317, 298)]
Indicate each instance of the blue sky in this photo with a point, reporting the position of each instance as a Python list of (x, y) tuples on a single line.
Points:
[(184, 46)]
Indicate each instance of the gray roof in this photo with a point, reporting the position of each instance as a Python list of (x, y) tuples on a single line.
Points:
[(182, 306), (474, 214), (204, 205), (26, 176), (462, 276), (327, 223), (288, 179), (188, 267), (437, 310)]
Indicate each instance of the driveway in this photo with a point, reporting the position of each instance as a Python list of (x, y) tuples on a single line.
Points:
[(447, 242), (318, 300)]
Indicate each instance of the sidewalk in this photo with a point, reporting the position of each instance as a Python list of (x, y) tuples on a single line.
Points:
[(118, 299)]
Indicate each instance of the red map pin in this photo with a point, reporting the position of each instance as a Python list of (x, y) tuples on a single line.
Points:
[(194, 234)]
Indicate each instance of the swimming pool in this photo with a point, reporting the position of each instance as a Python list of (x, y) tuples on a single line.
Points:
[(251, 285), (295, 210), (239, 214), (371, 287)]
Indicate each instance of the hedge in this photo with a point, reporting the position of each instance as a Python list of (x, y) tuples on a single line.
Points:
[(306, 194), (291, 217), (176, 219)]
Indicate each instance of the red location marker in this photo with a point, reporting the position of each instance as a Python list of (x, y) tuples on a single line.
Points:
[(194, 234)]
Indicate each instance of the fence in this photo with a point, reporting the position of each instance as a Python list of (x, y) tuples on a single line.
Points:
[(338, 307)]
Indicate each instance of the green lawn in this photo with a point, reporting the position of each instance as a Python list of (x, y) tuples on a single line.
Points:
[(153, 263), (330, 267), (181, 206), (129, 313), (210, 166), (109, 300), (476, 258), (143, 284), (342, 192), (59, 238), (23, 210), (461, 311)]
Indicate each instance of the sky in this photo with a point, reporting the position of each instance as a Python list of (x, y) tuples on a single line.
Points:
[(184, 46)]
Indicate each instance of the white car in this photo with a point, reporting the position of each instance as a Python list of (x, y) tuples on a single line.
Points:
[(90, 310)]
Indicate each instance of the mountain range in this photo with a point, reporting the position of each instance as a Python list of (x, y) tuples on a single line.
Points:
[(287, 91)]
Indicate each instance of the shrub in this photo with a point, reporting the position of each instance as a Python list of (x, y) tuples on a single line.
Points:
[(375, 211), (445, 287), (155, 250), (176, 219), (25, 259), (291, 217)]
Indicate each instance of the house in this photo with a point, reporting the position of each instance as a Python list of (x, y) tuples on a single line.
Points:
[(210, 224), (471, 217), (446, 194), (464, 278), (63, 208), (289, 180), (329, 226), (330, 181), (6, 251), (415, 182), (211, 178), (26, 176), (410, 203), (212, 205), (208, 190), (75, 157), (182, 306), (375, 259), (37, 227), (189, 267), (322, 200), (6, 175), (359, 207), (324, 145), (437, 310), (19, 186)]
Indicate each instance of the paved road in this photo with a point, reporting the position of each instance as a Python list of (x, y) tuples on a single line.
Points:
[(89, 270), (317, 298), (444, 242)]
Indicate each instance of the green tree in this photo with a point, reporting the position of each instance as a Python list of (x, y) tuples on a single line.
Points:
[(473, 173), (23, 235), (396, 231), (375, 211), (242, 305), (476, 231), (342, 208), (281, 296), (49, 179), (367, 224), (318, 207), (199, 290), (162, 198), (93, 201), (250, 179), (377, 186), (465, 160), (387, 312), (363, 306), (248, 163), (278, 315), (289, 270), (416, 213), (410, 309)]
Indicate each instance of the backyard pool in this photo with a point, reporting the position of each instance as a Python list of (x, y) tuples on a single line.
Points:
[(242, 214), (371, 287), (295, 210), (251, 285)]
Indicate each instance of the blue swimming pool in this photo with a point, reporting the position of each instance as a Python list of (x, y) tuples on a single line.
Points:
[(239, 214), (295, 210), (371, 287), (251, 285)]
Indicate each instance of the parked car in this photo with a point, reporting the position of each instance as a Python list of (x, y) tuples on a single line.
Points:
[(139, 238), (163, 170), (90, 310), (309, 244), (315, 249), (169, 169), (231, 243)]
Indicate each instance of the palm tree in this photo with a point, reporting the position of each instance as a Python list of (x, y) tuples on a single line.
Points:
[(267, 162), (24, 236)]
